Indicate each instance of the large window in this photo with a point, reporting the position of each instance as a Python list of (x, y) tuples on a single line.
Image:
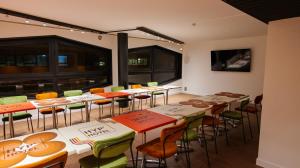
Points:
[(153, 63), (50, 63)]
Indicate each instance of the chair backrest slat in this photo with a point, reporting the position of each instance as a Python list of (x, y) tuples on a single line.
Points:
[(96, 90), (150, 84), (117, 88), (70, 93), (174, 133), (13, 99)]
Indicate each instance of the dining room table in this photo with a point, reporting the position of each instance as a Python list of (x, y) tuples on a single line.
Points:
[(9, 109), (82, 136), (24, 151)]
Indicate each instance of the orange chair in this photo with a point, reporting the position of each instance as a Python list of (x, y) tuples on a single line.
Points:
[(55, 161), (100, 103), (140, 97), (214, 120), (46, 111), (165, 146)]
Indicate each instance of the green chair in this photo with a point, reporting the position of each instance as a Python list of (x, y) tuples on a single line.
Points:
[(18, 115), (193, 134), (74, 106), (110, 153), (122, 101), (235, 116), (153, 84)]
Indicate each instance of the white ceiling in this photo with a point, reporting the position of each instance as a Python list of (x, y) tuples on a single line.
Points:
[(214, 19)]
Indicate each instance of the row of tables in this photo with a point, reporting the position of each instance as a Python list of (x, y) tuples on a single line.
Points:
[(79, 138), (86, 98)]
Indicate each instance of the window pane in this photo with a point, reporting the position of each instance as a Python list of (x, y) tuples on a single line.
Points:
[(164, 60), (164, 77), (139, 78), (139, 60), (24, 58)]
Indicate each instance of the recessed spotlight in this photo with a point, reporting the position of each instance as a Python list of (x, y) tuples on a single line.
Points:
[(82, 32), (99, 37), (180, 49), (27, 21), (44, 24), (71, 30)]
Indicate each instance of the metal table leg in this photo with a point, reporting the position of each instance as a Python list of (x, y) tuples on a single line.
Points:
[(133, 102), (113, 106), (167, 96), (87, 112), (11, 125), (54, 118)]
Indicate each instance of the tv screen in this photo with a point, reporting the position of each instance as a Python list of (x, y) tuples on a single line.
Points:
[(231, 60), (63, 60)]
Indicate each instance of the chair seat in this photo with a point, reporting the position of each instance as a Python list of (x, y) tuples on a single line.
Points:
[(232, 115), (102, 102), (18, 116), (142, 96), (158, 93), (123, 100), (49, 110), (76, 106), (92, 162), (154, 148), (210, 121), (249, 109)]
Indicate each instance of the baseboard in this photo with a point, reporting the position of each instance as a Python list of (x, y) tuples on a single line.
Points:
[(267, 164)]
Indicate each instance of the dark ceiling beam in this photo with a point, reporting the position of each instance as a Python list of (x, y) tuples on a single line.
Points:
[(155, 33), (49, 21)]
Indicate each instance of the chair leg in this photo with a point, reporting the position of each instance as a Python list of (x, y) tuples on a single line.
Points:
[(205, 143), (70, 117), (38, 119), (159, 161), (4, 133), (249, 125), (65, 117), (31, 125), (102, 111), (164, 98), (99, 112), (81, 115), (28, 124), (243, 131), (132, 158), (141, 104), (136, 158), (257, 121), (44, 121), (226, 134), (165, 161), (56, 118), (215, 135)]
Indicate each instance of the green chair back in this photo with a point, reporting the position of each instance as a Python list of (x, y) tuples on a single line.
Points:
[(72, 93), (244, 103), (113, 147), (150, 84), (194, 121), (117, 88), (13, 99)]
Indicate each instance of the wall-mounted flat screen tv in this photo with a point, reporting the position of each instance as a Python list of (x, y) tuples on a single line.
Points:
[(62, 60), (238, 60)]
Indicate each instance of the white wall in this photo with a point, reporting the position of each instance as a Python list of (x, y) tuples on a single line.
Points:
[(279, 145), (199, 79)]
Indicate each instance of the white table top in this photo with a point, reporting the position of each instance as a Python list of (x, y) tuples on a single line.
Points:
[(135, 91), (30, 159), (218, 99), (178, 111), (170, 87), (82, 135), (68, 100)]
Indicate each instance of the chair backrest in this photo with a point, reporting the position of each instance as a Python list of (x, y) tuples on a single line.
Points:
[(152, 84), (173, 133), (48, 95), (55, 161), (13, 99), (113, 146), (218, 109), (96, 90), (244, 103), (117, 88), (258, 99), (72, 93), (136, 86), (194, 121)]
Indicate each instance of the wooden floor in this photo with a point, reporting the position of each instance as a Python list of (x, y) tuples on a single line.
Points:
[(235, 155)]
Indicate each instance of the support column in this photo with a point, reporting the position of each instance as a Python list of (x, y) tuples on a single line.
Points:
[(123, 59)]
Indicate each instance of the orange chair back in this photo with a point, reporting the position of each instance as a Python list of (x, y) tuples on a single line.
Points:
[(96, 90), (48, 95), (137, 86), (56, 161), (174, 133)]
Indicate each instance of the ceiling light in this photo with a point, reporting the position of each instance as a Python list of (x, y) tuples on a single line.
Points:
[(99, 37), (180, 49), (71, 30), (27, 21), (82, 32), (44, 24)]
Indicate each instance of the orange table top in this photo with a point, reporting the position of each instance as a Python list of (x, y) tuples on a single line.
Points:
[(10, 108), (112, 94), (144, 120)]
